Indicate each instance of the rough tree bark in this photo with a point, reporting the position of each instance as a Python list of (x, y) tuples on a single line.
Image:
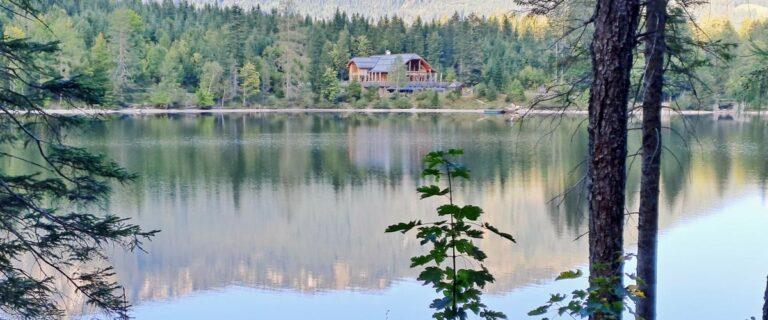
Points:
[(612, 48), (648, 226), (765, 305)]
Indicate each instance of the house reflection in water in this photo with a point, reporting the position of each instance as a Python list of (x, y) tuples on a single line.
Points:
[(300, 202)]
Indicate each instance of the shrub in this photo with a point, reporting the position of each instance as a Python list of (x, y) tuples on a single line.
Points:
[(453, 95), (453, 265), (515, 92), (401, 102), (434, 101), (371, 94), (204, 99), (492, 93), (381, 104), (354, 90), (481, 90)]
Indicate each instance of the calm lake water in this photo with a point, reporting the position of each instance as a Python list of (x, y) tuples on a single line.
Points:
[(281, 216)]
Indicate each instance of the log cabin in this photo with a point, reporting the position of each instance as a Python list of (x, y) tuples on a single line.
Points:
[(376, 71)]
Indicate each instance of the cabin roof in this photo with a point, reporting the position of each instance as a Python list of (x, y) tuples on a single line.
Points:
[(383, 63), (365, 62)]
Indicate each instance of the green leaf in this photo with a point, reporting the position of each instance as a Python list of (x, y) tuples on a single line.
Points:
[(555, 298), (431, 190), (460, 172), (499, 233), (471, 212), (570, 274), (440, 304), (420, 260), (491, 315), (431, 275), (430, 172), (477, 234), (467, 247), (403, 227), (448, 209), (539, 311)]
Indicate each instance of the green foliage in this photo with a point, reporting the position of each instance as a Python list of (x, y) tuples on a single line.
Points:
[(251, 81), (492, 93), (398, 76), (371, 94), (515, 92), (434, 101), (381, 104), (428, 99), (453, 95), (749, 72), (363, 46), (452, 237), (531, 77), (55, 230), (585, 303), (329, 85), (100, 66), (166, 94), (204, 98), (481, 90), (211, 82), (126, 34), (401, 102), (133, 50), (354, 90)]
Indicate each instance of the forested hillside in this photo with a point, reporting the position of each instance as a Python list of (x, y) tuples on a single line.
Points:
[(177, 55), (737, 11), (408, 9)]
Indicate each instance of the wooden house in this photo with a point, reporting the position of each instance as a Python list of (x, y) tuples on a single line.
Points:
[(376, 71)]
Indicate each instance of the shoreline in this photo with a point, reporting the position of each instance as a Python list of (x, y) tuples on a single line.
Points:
[(520, 112)]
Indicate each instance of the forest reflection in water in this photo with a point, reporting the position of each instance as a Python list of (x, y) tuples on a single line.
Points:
[(299, 202)]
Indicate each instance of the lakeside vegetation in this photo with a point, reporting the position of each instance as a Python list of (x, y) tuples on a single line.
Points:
[(56, 210), (179, 56)]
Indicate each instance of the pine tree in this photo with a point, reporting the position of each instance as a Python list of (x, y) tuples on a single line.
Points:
[(434, 49), (315, 50), (363, 47), (99, 70), (53, 212), (341, 54), (126, 38), (515, 92), (251, 81), (211, 86), (398, 76), (355, 90), (329, 86)]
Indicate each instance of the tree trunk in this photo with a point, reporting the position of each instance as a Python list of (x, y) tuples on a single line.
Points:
[(648, 226), (765, 305), (612, 48)]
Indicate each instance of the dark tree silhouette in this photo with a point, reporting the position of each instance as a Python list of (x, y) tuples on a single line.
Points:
[(648, 225), (765, 305), (612, 52), (49, 219)]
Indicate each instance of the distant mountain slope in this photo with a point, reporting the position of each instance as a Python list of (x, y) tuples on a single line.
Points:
[(735, 10), (427, 9)]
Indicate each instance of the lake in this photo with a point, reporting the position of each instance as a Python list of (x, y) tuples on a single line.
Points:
[(282, 216)]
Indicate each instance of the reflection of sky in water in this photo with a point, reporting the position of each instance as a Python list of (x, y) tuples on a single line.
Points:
[(281, 216), (694, 282)]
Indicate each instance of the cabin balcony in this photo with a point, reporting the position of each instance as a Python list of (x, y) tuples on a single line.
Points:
[(411, 77), (409, 86)]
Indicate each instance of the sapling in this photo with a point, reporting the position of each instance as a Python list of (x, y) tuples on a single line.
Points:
[(452, 237)]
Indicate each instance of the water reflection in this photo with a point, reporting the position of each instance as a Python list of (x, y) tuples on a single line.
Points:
[(299, 202)]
